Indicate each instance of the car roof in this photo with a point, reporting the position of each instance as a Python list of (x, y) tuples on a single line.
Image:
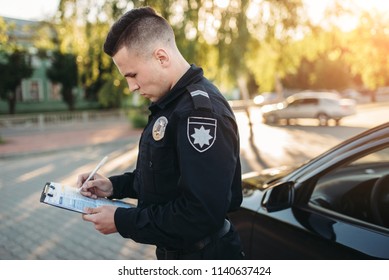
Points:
[(315, 94)]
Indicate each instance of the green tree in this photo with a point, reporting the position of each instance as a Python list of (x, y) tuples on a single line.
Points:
[(81, 27), (242, 43), (254, 39), (222, 37), (323, 65), (3, 33), (367, 54), (64, 70), (330, 74), (110, 95), (14, 67)]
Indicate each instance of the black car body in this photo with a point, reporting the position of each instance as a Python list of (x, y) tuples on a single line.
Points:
[(336, 206)]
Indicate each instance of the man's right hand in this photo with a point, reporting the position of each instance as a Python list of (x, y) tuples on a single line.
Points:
[(98, 186)]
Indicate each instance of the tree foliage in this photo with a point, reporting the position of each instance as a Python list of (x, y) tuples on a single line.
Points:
[(64, 70), (253, 45), (15, 65), (369, 56), (339, 59), (14, 68), (81, 27)]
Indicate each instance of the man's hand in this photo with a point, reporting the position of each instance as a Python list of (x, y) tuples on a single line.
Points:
[(98, 186), (102, 217)]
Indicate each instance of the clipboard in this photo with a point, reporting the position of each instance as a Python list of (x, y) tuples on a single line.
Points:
[(66, 197)]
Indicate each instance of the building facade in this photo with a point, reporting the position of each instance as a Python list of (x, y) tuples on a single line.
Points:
[(37, 93)]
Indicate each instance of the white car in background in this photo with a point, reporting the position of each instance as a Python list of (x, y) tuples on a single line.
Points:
[(322, 106)]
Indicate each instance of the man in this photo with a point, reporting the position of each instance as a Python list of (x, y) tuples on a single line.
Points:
[(188, 174)]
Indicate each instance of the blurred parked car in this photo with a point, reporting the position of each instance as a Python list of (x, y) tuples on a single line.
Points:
[(335, 206), (317, 105)]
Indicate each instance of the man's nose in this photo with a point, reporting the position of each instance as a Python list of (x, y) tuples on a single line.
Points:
[(133, 86)]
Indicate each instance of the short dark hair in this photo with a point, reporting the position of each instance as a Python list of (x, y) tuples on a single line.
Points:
[(135, 29)]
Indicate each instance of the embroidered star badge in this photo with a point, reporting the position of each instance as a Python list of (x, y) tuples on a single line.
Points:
[(201, 132), (201, 136)]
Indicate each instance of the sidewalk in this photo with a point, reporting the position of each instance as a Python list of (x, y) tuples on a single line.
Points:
[(22, 141)]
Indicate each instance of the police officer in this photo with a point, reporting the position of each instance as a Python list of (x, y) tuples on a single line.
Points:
[(188, 173)]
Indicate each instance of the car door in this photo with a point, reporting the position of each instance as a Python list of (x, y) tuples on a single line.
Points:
[(301, 108), (336, 221), (283, 236), (292, 110), (309, 108), (344, 199)]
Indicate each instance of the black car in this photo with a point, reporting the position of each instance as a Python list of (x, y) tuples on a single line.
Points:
[(336, 206)]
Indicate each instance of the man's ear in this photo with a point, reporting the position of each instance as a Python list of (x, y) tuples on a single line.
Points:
[(162, 56)]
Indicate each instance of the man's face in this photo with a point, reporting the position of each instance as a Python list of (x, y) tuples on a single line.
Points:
[(145, 75)]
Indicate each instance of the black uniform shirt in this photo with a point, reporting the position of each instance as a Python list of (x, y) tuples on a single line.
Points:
[(188, 173)]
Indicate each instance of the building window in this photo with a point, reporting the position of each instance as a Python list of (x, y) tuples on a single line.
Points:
[(55, 91), (32, 90)]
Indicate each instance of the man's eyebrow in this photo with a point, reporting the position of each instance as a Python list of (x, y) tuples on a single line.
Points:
[(129, 74)]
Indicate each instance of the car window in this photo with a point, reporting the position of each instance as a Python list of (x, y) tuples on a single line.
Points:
[(359, 189), (379, 156), (304, 102), (310, 101), (295, 103)]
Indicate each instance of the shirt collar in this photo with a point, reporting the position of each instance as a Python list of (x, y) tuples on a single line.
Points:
[(194, 74)]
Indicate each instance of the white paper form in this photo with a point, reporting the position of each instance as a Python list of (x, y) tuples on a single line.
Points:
[(69, 198)]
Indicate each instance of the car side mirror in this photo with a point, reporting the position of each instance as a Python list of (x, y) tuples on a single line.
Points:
[(278, 197)]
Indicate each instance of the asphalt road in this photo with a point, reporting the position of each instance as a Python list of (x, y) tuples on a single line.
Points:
[(264, 146)]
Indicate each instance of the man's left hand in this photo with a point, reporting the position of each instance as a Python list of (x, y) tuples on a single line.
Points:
[(102, 217)]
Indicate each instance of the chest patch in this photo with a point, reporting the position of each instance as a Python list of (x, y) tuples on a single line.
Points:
[(201, 132), (159, 128)]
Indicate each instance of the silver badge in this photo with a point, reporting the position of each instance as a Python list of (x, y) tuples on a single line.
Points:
[(159, 128)]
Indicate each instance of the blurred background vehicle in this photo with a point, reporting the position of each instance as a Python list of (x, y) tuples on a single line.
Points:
[(322, 106), (332, 207)]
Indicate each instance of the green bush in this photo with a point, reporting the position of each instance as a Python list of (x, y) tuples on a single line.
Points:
[(138, 118)]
